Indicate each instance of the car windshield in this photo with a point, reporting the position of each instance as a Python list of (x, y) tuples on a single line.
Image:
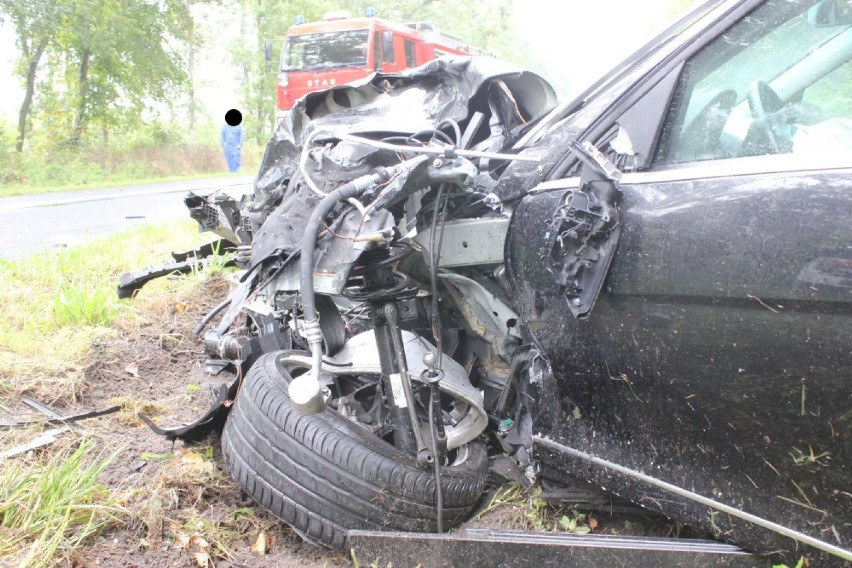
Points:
[(325, 50)]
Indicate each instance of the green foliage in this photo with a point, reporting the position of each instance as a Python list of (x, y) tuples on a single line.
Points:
[(31, 308), (115, 55), (47, 510), (107, 59), (77, 304), (34, 21), (35, 25), (151, 151), (799, 564), (573, 522)]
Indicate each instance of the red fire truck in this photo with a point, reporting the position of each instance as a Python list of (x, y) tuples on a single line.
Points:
[(340, 49)]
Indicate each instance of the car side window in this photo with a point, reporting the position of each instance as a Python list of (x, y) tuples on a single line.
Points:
[(765, 86)]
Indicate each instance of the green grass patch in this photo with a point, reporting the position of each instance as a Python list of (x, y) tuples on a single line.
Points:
[(48, 510), (54, 304), (77, 304)]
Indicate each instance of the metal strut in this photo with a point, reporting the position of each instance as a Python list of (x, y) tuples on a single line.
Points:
[(396, 382)]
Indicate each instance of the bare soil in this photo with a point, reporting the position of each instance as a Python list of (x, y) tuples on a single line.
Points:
[(183, 508)]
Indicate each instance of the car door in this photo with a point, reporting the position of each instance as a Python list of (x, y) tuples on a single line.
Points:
[(719, 353)]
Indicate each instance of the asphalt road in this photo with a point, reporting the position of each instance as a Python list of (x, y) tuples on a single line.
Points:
[(33, 223)]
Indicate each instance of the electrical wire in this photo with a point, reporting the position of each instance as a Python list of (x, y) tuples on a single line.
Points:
[(455, 126), (440, 209), (434, 133), (436, 150), (435, 258)]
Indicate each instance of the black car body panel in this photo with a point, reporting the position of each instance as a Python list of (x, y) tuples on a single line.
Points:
[(714, 360), (718, 356)]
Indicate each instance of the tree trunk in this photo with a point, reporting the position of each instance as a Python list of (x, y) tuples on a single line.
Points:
[(82, 96), (191, 71), (260, 99), (28, 96)]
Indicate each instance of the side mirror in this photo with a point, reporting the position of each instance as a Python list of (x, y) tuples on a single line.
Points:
[(827, 13)]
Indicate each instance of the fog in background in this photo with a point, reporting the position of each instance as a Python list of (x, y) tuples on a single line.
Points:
[(570, 43)]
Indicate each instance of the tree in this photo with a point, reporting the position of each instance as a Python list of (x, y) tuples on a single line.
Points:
[(35, 24), (118, 54)]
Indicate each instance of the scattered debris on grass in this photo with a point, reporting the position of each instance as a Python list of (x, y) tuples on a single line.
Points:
[(130, 409)]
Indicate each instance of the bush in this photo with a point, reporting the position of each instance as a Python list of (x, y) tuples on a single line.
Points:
[(151, 151)]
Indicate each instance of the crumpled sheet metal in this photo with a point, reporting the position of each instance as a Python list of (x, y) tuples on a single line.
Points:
[(387, 104)]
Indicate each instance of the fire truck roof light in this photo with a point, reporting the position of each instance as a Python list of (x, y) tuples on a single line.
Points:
[(300, 20), (370, 12)]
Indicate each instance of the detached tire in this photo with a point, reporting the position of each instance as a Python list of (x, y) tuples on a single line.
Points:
[(325, 475)]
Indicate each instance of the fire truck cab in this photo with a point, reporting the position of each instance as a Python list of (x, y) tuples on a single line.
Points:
[(340, 49)]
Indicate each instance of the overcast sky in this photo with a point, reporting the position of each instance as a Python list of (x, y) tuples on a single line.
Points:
[(574, 43), (577, 42)]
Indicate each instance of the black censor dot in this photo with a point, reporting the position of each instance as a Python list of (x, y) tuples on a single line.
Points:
[(233, 117)]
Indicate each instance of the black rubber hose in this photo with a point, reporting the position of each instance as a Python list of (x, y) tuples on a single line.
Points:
[(312, 229), (203, 323)]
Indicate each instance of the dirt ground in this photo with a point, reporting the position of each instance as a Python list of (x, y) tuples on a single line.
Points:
[(183, 508)]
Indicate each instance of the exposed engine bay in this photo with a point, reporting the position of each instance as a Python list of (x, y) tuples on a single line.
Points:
[(408, 278)]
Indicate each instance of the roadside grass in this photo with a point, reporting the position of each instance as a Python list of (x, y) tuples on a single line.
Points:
[(48, 510), (56, 309), (65, 169), (104, 183), (182, 502), (55, 305)]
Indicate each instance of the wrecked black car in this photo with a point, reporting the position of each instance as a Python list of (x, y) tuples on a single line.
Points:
[(648, 287)]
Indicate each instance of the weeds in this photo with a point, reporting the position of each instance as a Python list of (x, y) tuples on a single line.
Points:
[(78, 304), (800, 458), (47, 511), (532, 512), (55, 305), (184, 481), (210, 267)]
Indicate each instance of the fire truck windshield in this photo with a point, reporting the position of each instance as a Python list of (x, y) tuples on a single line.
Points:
[(325, 50)]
